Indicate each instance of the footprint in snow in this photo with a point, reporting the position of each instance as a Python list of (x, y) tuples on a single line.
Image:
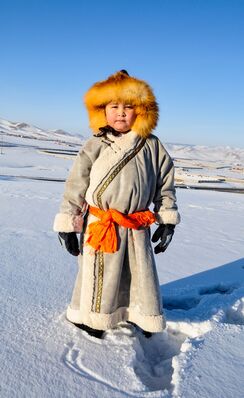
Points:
[(154, 359), (110, 362)]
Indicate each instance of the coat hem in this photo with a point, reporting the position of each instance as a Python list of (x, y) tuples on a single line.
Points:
[(149, 323)]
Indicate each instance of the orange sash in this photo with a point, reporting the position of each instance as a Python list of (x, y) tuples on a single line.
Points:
[(102, 234)]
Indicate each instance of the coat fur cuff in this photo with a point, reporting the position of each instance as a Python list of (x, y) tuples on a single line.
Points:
[(68, 223), (168, 217)]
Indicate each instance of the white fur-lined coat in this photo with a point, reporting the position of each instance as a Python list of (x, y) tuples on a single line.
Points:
[(125, 173)]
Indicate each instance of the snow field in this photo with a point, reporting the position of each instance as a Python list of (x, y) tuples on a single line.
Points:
[(202, 280)]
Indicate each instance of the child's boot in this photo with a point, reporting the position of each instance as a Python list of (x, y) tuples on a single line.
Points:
[(92, 332)]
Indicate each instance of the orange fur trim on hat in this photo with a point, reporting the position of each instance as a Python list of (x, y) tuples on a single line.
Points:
[(123, 88)]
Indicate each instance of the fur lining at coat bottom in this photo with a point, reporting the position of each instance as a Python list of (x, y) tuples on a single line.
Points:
[(150, 323)]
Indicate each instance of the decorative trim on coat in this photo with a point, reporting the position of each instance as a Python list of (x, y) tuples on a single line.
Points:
[(116, 171), (68, 223)]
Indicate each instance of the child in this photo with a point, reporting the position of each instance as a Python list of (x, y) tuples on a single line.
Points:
[(117, 174)]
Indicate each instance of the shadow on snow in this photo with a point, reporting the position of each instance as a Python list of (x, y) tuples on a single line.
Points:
[(199, 297)]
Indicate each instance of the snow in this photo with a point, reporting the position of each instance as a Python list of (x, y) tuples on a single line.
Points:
[(201, 276), (25, 130), (219, 167)]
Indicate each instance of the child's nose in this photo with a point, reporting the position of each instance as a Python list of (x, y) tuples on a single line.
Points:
[(121, 111)]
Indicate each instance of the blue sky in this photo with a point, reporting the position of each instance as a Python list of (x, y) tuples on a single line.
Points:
[(190, 51)]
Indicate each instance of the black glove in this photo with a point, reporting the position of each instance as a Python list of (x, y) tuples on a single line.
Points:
[(70, 241), (165, 233)]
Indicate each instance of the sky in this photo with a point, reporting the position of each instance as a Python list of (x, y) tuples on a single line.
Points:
[(191, 52)]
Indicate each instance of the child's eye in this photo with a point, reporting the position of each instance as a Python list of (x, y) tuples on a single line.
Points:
[(129, 106)]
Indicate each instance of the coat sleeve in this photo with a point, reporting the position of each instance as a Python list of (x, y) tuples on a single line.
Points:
[(70, 216), (165, 206)]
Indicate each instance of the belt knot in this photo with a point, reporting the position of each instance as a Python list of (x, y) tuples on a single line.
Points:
[(102, 233)]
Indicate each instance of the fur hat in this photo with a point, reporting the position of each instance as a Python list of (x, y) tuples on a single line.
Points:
[(121, 87)]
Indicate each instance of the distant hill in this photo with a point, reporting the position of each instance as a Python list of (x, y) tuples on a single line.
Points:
[(207, 153), (24, 130)]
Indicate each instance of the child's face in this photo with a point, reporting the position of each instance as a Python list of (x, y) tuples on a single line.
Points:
[(120, 116)]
